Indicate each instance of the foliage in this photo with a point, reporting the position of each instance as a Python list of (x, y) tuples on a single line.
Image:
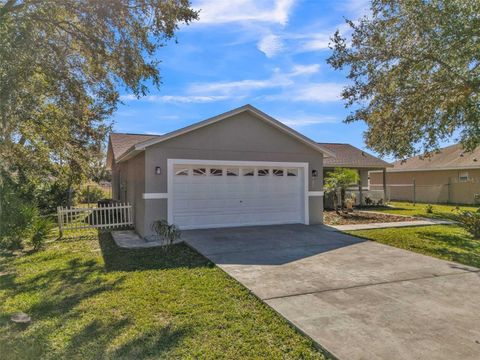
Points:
[(167, 232), (338, 181), (429, 209), (93, 300), (415, 74), (470, 221), (16, 216), (90, 194), (61, 64), (41, 230)]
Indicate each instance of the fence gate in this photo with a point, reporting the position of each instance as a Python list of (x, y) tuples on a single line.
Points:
[(101, 217)]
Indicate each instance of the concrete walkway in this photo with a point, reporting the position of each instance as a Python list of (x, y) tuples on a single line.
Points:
[(357, 299), (419, 222)]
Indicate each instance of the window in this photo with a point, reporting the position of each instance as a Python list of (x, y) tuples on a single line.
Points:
[(199, 171), (232, 172), (463, 176), (292, 172), (277, 172), (181, 172), (263, 172), (248, 172), (216, 172)]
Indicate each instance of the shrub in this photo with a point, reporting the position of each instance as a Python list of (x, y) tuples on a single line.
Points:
[(368, 201), (167, 232), (40, 231), (470, 221), (429, 209), (90, 194)]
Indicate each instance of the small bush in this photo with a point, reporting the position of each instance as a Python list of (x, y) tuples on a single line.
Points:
[(429, 209), (40, 231), (470, 221), (90, 194), (167, 232)]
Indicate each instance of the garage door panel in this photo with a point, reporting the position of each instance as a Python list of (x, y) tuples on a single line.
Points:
[(215, 201)]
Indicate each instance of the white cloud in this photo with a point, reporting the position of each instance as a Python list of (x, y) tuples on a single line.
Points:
[(225, 11), (320, 92), (306, 120), (270, 45), (174, 98)]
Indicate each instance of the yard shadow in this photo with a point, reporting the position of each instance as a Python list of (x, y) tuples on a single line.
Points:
[(175, 256)]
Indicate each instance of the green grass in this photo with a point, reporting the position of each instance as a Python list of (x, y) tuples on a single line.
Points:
[(439, 211), (89, 299), (449, 242)]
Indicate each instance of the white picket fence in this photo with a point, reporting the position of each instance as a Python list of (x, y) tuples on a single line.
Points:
[(102, 217)]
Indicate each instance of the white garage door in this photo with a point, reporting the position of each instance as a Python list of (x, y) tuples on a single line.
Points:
[(208, 196)]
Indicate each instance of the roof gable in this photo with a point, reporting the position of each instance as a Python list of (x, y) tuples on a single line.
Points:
[(141, 146), (347, 155), (119, 143)]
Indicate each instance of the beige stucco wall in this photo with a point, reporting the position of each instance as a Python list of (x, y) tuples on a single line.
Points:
[(239, 138), (439, 186)]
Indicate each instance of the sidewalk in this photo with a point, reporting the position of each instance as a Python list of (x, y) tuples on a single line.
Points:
[(420, 222)]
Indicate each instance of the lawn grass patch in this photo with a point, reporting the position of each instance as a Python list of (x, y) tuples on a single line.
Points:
[(448, 242), (439, 211), (89, 299)]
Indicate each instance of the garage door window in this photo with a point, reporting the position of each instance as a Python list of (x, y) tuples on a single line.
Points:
[(263, 172), (292, 172), (248, 172), (181, 172), (199, 171), (232, 172), (277, 172), (216, 172)]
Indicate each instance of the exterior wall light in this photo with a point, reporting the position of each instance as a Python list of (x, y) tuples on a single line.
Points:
[(158, 170), (314, 173)]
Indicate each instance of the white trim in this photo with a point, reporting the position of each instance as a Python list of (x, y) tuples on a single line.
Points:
[(261, 115), (315, 193), (172, 162), (149, 196)]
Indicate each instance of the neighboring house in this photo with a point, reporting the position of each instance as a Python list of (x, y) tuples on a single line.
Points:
[(348, 156), (239, 168), (449, 176)]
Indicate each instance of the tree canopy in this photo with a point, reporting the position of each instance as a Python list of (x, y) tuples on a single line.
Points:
[(414, 67), (61, 65)]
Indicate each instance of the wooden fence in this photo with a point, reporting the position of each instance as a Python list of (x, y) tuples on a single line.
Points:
[(102, 217)]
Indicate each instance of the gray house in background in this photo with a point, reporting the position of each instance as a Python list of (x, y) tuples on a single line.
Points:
[(239, 168)]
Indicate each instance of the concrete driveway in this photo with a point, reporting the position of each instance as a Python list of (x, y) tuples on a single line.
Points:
[(357, 299)]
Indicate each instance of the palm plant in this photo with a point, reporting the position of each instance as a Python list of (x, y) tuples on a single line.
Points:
[(338, 181)]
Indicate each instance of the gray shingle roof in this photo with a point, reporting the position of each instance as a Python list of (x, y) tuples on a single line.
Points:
[(121, 142), (349, 156), (450, 157)]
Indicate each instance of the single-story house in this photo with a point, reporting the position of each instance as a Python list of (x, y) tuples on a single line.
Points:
[(450, 175), (239, 168)]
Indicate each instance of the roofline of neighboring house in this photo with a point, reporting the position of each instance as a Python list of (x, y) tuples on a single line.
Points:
[(434, 169), (138, 148), (352, 166)]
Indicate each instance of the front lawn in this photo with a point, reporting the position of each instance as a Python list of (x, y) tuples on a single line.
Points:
[(407, 208), (449, 242), (89, 299)]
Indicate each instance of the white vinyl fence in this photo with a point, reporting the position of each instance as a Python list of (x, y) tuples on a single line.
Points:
[(102, 217)]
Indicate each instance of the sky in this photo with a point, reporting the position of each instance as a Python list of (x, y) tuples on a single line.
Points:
[(268, 53)]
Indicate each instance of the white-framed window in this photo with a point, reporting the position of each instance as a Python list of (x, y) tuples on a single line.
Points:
[(277, 172), (292, 172), (233, 172), (463, 176), (216, 172), (181, 172), (263, 172), (248, 172), (199, 171)]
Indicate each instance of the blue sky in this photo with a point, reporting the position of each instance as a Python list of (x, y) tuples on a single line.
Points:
[(269, 53)]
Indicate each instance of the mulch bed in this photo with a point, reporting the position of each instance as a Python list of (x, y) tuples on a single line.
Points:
[(361, 217)]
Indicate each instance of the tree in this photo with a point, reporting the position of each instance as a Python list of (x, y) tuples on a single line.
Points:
[(61, 64), (338, 181), (414, 67)]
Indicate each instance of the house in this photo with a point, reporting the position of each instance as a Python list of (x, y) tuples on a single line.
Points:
[(239, 168), (450, 175)]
